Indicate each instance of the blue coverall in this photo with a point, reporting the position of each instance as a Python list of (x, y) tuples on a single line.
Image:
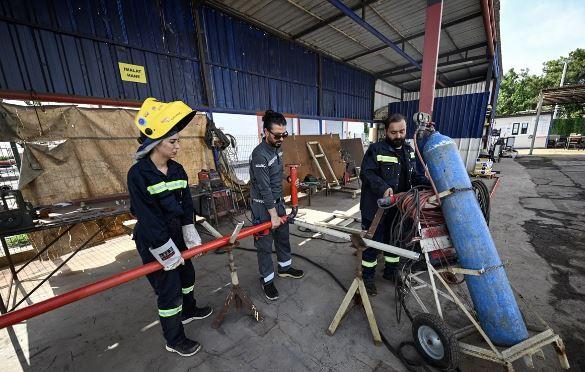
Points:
[(380, 170), (266, 173), (162, 204)]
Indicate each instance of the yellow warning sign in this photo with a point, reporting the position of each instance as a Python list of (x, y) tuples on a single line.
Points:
[(134, 73)]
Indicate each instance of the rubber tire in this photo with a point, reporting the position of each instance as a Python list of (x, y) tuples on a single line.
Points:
[(450, 360)]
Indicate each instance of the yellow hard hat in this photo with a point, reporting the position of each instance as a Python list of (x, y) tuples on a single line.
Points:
[(155, 119)]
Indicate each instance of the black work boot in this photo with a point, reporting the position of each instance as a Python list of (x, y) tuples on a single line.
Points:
[(185, 348), (371, 287), (196, 313), (291, 272), (270, 290)]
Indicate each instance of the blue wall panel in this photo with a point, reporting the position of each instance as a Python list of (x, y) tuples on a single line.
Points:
[(73, 47), (347, 92), (459, 116), (254, 71)]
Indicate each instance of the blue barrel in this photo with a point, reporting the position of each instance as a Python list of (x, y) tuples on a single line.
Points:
[(491, 293)]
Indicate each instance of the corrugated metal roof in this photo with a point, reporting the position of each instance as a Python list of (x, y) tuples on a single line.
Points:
[(343, 38)]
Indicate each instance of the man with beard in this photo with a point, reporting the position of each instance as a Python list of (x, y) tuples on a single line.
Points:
[(266, 174), (388, 167)]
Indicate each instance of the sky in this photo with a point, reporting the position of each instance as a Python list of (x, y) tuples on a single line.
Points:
[(533, 32)]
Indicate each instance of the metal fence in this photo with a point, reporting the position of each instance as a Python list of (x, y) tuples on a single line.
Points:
[(8, 167), (239, 156)]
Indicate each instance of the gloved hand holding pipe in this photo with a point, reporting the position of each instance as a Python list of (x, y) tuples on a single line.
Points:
[(28, 312), (42, 307)]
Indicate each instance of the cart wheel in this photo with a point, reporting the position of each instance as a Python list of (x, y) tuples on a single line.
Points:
[(435, 342)]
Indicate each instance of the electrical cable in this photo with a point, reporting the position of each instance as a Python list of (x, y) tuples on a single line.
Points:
[(408, 364)]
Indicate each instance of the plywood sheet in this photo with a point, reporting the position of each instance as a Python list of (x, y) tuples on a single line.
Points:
[(355, 148), (295, 152)]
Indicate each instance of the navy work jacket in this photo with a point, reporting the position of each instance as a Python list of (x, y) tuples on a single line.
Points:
[(380, 170), (161, 203)]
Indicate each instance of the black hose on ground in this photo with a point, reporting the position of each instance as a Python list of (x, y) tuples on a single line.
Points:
[(408, 364), (483, 197)]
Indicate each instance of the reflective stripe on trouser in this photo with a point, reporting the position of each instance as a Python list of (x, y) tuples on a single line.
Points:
[(172, 302), (369, 261), (391, 259), (263, 244), (187, 290), (165, 313)]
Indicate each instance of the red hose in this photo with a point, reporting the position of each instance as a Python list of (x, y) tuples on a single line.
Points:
[(28, 312)]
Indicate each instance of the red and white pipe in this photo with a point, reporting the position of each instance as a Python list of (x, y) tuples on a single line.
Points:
[(42, 307), (39, 308)]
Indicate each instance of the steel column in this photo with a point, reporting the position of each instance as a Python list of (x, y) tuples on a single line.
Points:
[(202, 48), (487, 25), (538, 110), (431, 54)]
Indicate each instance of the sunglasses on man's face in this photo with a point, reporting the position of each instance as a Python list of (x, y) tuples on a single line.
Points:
[(279, 135)]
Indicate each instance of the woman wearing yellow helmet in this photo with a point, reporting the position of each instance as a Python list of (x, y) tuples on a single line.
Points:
[(161, 202)]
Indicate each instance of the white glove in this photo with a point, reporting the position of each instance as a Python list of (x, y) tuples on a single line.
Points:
[(168, 255), (191, 236)]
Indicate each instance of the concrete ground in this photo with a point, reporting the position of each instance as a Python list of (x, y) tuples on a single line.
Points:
[(537, 223)]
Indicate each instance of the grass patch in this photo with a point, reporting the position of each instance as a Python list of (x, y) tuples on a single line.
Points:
[(17, 240)]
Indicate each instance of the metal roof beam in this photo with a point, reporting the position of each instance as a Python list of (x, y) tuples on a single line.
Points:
[(470, 80), (330, 20), (339, 5), (440, 64), (449, 70), (442, 55), (414, 36), (218, 5)]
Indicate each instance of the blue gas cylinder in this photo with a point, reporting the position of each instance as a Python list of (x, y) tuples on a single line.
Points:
[(490, 292)]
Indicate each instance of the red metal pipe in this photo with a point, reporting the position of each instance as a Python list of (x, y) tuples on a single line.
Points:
[(52, 97), (487, 25), (28, 312), (495, 187), (294, 197), (434, 15)]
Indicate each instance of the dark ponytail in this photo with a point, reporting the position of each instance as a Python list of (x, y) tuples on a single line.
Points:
[(272, 117)]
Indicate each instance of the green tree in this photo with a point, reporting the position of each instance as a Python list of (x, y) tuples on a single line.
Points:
[(519, 91)]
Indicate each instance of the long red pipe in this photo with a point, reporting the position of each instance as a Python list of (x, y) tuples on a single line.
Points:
[(487, 25), (28, 312)]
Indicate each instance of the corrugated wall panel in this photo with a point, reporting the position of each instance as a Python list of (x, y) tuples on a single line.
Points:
[(452, 91), (73, 47), (347, 92), (254, 71), (459, 116)]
